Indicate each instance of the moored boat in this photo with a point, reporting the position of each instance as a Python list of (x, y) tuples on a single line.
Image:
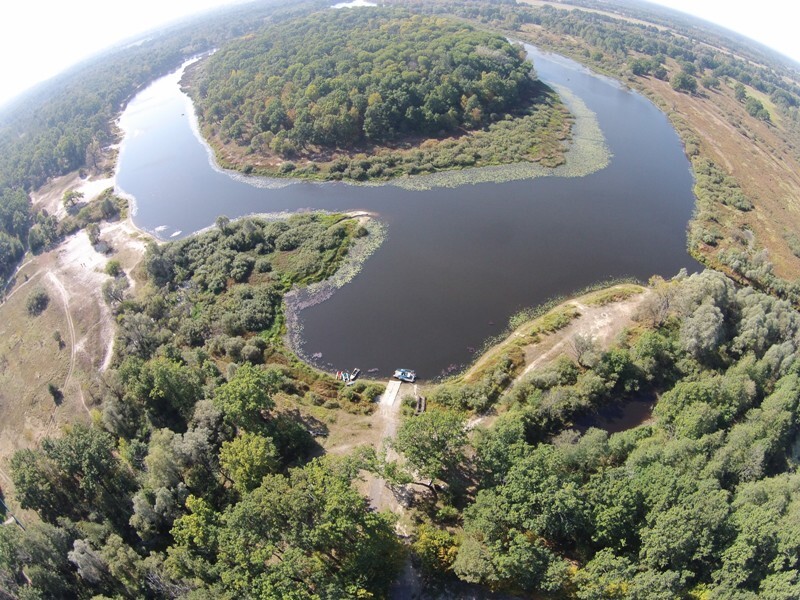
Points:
[(406, 375)]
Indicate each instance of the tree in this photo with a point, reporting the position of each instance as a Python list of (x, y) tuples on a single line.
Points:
[(37, 302), (318, 550), (432, 444), (683, 82), (247, 459), (222, 223), (739, 92), (639, 66), (93, 231), (71, 198), (702, 332), (246, 398)]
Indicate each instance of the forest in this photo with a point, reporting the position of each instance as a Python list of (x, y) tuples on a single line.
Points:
[(319, 88), (199, 478), (196, 442), (699, 503)]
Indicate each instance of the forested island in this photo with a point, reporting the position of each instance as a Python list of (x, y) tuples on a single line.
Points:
[(206, 460), (366, 95)]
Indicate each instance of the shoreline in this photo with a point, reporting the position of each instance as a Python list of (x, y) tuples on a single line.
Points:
[(298, 299), (586, 153)]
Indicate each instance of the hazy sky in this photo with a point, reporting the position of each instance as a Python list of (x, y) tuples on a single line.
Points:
[(40, 38)]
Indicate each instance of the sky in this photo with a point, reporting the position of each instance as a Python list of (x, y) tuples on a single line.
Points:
[(41, 38)]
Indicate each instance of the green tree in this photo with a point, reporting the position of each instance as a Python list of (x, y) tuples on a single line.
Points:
[(37, 302), (292, 537), (739, 92), (247, 459), (246, 399), (683, 82), (433, 445)]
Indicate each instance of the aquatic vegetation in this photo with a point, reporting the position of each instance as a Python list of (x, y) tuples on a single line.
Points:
[(364, 245)]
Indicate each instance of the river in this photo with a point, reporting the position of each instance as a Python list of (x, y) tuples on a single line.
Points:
[(456, 262)]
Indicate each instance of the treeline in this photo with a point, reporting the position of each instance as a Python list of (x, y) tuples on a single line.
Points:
[(339, 77), (197, 478), (615, 40), (66, 123), (701, 502)]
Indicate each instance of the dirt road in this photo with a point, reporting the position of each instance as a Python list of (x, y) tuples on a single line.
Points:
[(602, 324)]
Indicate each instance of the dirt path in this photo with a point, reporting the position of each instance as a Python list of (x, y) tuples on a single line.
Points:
[(21, 285), (387, 419), (73, 345), (600, 323), (408, 584)]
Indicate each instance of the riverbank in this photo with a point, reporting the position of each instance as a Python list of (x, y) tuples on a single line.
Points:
[(760, 156), (598, 314)]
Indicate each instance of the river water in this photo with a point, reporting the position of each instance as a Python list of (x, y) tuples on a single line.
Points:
[(456, 263)]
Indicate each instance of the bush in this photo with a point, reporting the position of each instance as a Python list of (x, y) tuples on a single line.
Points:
[(252, 354), (37, 302), (263, 265), (234, 347), (113, 268), (683, 82)]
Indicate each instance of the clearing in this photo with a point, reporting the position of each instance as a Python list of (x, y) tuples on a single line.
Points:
[(70, 343)]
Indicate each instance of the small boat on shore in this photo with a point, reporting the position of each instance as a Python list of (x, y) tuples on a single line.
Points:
[(406, 375), (353, 376)]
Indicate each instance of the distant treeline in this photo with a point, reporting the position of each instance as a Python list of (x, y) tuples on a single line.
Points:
[(616, 39), (64, 125)]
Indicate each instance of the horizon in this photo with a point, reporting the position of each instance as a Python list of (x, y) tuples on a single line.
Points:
[(84, 29)]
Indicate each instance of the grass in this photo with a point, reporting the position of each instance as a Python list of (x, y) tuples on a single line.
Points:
[(556, 319), (616, 293), (526, 326), (30, 359)]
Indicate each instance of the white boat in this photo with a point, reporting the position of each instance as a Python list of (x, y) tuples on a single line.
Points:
[(406, 375)]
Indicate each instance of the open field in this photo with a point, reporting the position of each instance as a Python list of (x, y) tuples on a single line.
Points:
[(600, 315), (72, 274)]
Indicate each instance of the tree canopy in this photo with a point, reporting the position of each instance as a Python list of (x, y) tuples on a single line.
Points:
[(337, 77)]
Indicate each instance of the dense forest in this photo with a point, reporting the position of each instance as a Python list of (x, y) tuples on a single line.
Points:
[(337, 77), (198, 480), (359, 95), (701, 502), (179, 484)]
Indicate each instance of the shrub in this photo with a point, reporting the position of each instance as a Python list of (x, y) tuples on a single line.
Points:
[(252, 354), (113, 268), (37, 302)]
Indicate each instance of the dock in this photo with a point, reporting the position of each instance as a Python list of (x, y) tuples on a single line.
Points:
[(390, 394)]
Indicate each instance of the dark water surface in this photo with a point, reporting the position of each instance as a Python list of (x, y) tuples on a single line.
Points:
[(456, 262)]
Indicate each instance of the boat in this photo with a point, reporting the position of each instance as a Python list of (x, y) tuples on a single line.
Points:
[(353, 376), (406, 375)]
